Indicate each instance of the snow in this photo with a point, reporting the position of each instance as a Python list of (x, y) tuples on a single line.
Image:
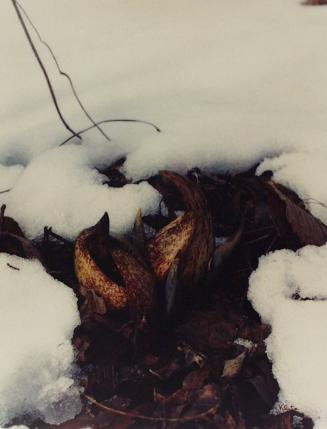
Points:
[(73, 197), (245, 343), (229, 83), (37, 317), (17, 427), (297, 345)]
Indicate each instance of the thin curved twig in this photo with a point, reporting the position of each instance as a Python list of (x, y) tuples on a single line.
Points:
[(199, 416), (62, 73), (36, 54), (314, 200), (139, 121)]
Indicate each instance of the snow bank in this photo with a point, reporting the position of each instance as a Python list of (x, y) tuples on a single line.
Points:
[(61, 188), (37, 317), (289, 291), (229, 84)]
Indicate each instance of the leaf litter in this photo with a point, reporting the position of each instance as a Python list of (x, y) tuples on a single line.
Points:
[(168, 338)]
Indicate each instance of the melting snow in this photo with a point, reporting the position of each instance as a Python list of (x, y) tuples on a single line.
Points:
[(37, 318), (289, 291)]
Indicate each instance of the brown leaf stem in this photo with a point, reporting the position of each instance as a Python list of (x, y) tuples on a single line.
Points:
[(37, 56), (62, 73), (149, 418)]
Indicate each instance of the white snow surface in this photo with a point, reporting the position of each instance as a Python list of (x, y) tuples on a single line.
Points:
[(230, 83), (16, 427), (72, 196), (37, 317), (297, 345)]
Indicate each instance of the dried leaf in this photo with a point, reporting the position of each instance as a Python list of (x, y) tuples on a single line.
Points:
[(8, 224), (233, 367), (306, 228), (315, 2), (257, 388), (17, 245), (12, 239), (114, 270), (291, 419), (93, 303), (232, 423), (195, 379)]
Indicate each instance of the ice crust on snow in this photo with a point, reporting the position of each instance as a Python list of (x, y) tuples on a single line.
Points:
[(289, 291), (37, 317)]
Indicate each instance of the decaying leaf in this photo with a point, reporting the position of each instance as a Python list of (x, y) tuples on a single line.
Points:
[(12, 239), (315, 2), (188, 237), (8, 224), (17, 245), (114, 270), (232, 367), (306, 228), (291, 419)]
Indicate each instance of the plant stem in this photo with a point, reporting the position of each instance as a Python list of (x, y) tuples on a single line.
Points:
[(53, 95)]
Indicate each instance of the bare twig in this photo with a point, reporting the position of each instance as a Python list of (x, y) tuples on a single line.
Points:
[(106, 121), (313, 200), (12, 267), (62, 73), (52, 93), (199, 416), (19, 8), (2, 216)]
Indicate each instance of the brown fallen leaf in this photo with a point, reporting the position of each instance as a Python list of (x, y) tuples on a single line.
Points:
[(12, 239), (305, 227), (189, 237), (232, 423), (114, 270), (17, 245), (257, 388), (315, 2), (8, 224), (291, 419), (233, 367), (195, 379)]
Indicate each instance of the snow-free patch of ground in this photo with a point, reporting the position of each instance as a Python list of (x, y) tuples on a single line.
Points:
[(289, 291), (37, 317)]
